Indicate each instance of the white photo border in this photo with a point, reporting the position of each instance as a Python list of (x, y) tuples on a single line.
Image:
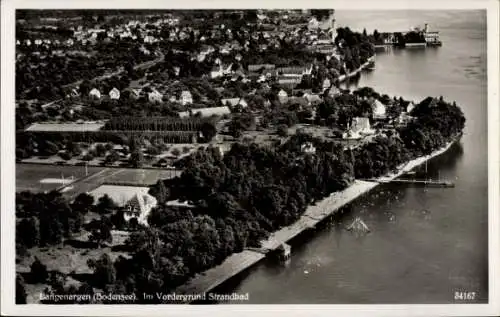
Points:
[(7, 151)]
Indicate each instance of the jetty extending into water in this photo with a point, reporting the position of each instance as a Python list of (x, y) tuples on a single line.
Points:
[(238, 262), (368, 64), (429, 183)]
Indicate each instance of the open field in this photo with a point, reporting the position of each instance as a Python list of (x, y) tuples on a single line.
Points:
[(264, 137), (34, 177), (119, 176), (140, 176)]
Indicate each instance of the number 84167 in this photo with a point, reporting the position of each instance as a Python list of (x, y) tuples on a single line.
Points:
[(465, 295)]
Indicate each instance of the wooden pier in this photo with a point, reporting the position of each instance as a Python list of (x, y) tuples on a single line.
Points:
[(429, 183)]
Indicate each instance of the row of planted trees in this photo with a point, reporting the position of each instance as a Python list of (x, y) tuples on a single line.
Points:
[(155, 124)]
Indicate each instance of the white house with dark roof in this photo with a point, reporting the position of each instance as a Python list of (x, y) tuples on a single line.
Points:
[(233, 102), (206, 112), (135, 200), (221, 70), (149, 39), (139, 206), (283, 96), (74, 93), (313, 24), (216, 72), (155, 96), (379, 110), (177, 70), (95, 93), (403, 119), (114, 94), (186, 97), (312, 98), (308, 147), (326, 83), (410, 107)]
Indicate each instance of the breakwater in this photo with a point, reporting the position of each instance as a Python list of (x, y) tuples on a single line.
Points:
[(343, 78), (238, 262)]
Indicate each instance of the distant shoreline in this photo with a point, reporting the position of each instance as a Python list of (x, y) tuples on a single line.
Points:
[(238, 262)]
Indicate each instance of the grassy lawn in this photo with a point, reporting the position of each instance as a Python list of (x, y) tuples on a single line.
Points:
[(181, 150), (141, 176), (28, 176), (69, 258)]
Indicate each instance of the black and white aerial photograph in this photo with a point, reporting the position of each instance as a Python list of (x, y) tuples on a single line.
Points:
[(219, 156)]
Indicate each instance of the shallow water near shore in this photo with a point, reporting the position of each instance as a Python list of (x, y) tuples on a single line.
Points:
[(425, 243)]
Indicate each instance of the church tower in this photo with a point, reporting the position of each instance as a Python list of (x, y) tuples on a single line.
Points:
[(332, 26)]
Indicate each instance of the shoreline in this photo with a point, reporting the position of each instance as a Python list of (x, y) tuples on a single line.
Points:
[(343, 78), (238, 262)]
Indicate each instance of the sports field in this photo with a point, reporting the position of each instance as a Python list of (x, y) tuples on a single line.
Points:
[(39, 177), (139, 176)]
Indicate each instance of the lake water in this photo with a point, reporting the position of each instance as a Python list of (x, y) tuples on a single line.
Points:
[(424, 244)]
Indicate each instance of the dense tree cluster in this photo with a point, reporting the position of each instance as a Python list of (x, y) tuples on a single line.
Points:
[(414, 37), (239, 200), (253, 191), (49, 218), (338, 111), (45, 219), (284, 56), (355, 47), (241, 122), (436, 123)]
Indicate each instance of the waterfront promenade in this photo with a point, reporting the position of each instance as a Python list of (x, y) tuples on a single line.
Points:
[(343, 78)]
